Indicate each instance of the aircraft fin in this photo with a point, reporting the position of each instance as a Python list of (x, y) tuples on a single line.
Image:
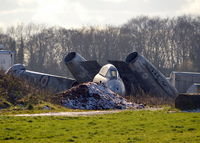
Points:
[(92, 67)]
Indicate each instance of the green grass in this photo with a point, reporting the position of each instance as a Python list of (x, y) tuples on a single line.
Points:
[(124, 127), (39, 108)]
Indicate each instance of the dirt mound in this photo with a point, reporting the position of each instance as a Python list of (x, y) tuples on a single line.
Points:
[(92, 96), (14, 91)]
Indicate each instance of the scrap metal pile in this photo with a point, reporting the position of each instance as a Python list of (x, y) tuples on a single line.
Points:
[(93, 96)]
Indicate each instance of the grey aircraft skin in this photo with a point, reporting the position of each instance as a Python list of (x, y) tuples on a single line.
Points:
[(134, 73), (85, 71), (140, 73), (81, 69), (151, 78), (46, 81), (109, 75)]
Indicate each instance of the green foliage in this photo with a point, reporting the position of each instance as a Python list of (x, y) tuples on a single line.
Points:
[(124, 127), (4, 103), (30, 107)]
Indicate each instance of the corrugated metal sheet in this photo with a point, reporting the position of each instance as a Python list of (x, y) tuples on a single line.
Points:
[(183, 80)]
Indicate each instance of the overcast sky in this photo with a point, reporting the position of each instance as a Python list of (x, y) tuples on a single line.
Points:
[(77, 13)]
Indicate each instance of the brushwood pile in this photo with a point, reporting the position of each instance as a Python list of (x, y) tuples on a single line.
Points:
[(93, 96)]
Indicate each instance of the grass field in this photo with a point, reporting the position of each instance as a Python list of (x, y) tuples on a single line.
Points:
[(124, 127), (39, 108)]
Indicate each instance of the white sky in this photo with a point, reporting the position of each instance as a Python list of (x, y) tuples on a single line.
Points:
[(78, 13)]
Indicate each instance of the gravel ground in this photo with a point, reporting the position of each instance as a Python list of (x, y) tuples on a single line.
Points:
[(71, 114), (85, 113)]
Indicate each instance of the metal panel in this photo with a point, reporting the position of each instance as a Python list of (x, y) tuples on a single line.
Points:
[(183, 80)]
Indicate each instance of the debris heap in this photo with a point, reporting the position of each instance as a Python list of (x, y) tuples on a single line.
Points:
[(92, 96)]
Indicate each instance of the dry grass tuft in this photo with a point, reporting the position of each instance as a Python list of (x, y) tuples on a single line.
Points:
[(15, 91), (143, 98)]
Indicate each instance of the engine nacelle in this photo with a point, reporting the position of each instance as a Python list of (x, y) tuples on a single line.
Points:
[(73, 61), (150, 79)]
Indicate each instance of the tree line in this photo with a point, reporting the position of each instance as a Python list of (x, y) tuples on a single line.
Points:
[(169, 43)]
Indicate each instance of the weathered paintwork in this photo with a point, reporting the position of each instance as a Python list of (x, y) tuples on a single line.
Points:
[(134, 73), (46, 81), (109, 75), (151, 80), (137, 72), (81, 69), (85, 71)]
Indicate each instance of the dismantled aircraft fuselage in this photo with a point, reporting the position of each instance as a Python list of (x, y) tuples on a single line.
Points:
[(85, 71), (122, 77)]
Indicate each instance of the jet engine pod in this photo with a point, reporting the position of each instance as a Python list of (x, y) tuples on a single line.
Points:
[(109, 75), (73, 62), (81, 69), (150, 79), (51, 82), (73, 57)]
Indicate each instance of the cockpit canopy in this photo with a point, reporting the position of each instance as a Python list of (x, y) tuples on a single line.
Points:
[(109, 71)]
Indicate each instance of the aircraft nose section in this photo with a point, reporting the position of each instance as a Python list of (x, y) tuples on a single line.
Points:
[(116, 86)]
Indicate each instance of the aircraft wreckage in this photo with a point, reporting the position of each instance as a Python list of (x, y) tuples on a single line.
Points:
[(122, 77)]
